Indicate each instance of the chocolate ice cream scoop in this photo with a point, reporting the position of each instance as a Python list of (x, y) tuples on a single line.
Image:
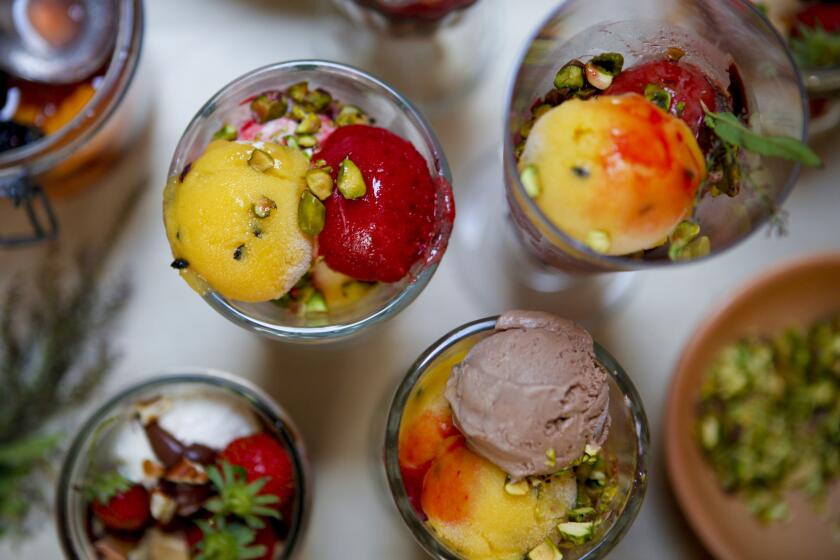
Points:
[(530, 397)]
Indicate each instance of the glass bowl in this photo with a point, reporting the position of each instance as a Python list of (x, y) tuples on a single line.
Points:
[(391, 111), (78, 154), (71, 514), (628, 441), (714, 34)]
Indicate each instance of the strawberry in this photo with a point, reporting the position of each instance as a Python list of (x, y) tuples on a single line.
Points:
[(263, 456), (820, 15), (126, 510), (268, 538)]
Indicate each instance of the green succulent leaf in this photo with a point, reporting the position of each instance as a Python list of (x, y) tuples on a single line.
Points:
[(730, 129)]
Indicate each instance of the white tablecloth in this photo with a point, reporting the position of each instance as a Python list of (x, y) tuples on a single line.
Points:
[(338, 396)]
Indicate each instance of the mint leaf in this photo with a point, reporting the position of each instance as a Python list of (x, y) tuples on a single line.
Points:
[(814, 47), (731, 130)]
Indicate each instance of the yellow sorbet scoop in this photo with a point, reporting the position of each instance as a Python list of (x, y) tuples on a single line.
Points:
[(232, 220)]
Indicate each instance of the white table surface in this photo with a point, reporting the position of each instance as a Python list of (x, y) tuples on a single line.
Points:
[(338, 396)]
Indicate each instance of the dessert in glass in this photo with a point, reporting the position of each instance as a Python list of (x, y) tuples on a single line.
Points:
[(57, 137), (654, 137), (186, 465), (812, 29), (434, 50), (517, 437), (307, 201)]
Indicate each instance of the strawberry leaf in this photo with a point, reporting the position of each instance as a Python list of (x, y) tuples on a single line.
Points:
[(105, 485), (237, 497), (732, 131)]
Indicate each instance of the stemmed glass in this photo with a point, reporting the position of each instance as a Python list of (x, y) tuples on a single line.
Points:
[(628, 442), (515, 253), (391, 111)]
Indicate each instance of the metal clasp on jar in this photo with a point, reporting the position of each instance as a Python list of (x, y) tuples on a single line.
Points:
[(27, 195)]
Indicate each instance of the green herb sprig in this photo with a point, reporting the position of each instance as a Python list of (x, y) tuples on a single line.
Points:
[(731, 130), (814, 47)]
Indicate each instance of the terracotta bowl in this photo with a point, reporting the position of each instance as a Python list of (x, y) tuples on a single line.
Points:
[(794, 293)]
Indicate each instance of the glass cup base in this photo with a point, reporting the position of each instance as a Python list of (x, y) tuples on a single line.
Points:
[(502, 275)]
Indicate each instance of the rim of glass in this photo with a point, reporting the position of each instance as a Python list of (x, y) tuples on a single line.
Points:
[(410, 292), (122, 68), (622, 262), (418, 528), (265, 405)]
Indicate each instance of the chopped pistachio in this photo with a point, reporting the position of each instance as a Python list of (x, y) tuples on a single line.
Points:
[(291, 142), (261, 160), (316, 303), (309, 125), (659, 96), (598, 77), (591, 449), (318, 100), (237, 253), (577, 532), (267, 109), (299, 91), (519, 488), (227, 132), (609, 62), (586, 513), (263, 207), (320, 182), (530, 178), (709, 432), (525, 129), (351, 183), (680, 108), (551, 457), (598, 240), (546, 550), (350, 114), (306, 141), (298, 112), (685, 232), (311, 214), (570, 76), (698, 248)]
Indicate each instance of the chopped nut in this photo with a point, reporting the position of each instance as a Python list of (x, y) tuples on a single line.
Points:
[(551, 457), (266, 109), (350, 114), (570, 76), (674, 54), (187, 472), (530, 178), (148, 411), (659, 96), (311, 214), (309, 125), (261, 160), (298, 91), (598, 240), (320, 182), (306, 141), (227, 132), (519, 488), (263, 207), (162, 506), (351, 183), (153, 470), (597, 77)]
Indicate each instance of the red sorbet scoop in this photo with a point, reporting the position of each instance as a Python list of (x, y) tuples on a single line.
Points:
[(380, 235), (685, 82), (819, 15)]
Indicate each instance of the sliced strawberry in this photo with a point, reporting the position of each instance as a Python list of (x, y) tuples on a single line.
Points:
[(262, 455), (125, 511), (268, 538)]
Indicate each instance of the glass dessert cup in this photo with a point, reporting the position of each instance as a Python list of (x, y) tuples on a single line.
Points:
[(390, 111), (628, 442), (72, 513), (81, 150), (713, 34), (456, 41)]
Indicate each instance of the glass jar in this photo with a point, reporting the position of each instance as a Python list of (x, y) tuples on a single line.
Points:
[(82, 150), (628, 442), (71, 509)]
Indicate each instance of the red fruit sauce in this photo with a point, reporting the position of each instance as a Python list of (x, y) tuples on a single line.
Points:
[(686, 83), (379, 236), (421, 9)]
